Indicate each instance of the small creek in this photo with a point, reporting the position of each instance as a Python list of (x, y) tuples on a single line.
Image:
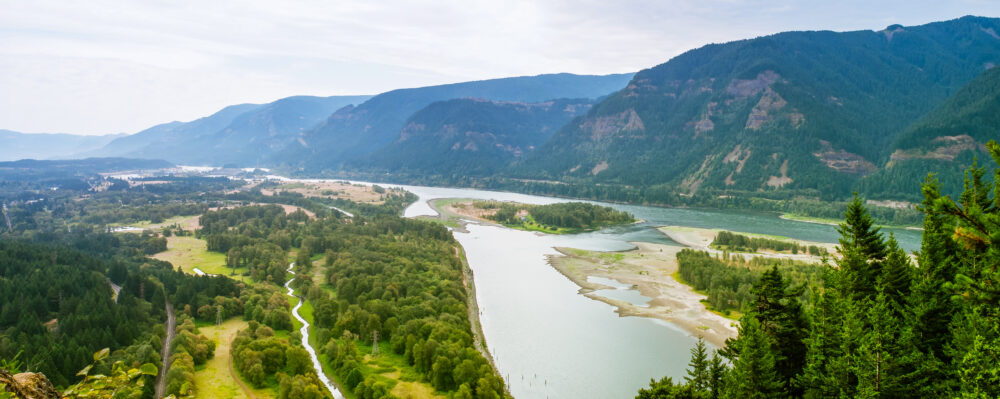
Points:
[(304, 330)]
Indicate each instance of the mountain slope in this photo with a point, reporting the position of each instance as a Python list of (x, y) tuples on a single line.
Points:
[(354, 132), (804, 111), (473, 137), (147, 143), (18, 145), (944, 142), (238, 134)]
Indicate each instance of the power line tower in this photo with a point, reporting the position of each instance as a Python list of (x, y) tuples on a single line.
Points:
[(7, 218), (375, 343), (218, 315)]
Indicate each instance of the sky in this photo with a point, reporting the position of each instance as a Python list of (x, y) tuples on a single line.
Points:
[(113, 66)]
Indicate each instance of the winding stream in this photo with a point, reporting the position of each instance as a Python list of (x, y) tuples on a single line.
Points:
[(304, 330)]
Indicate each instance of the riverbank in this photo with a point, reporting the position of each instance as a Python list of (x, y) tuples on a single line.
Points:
[(649, 269), (701, 239)]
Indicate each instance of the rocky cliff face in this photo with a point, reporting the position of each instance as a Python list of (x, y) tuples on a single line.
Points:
[(28, 385)]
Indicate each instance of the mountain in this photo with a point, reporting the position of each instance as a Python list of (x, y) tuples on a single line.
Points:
[(802, 112), (354, 132), (475, 136), (240, 134), (48, 145), (945, 142), (147, 143)]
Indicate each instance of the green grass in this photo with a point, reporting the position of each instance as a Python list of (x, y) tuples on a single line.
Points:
[(189, 253), (213, 380)]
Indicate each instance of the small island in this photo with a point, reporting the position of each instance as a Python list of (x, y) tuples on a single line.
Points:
[(560, 218)]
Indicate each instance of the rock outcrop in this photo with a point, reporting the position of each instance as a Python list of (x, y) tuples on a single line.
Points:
[(28, 385)]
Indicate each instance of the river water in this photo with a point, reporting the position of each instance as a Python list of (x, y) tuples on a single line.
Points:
[(550, 342)]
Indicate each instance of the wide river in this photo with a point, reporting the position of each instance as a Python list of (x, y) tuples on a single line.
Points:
[(550, 342)]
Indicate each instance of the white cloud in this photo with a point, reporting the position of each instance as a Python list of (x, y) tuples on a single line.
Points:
[(106, 66)]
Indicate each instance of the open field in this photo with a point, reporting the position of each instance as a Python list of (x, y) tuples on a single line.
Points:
[(189, 253), (217, 378), (326, 189)]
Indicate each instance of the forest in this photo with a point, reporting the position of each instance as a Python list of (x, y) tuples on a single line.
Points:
[(565, 217), (385, 276), (729, 241), (875, 324)]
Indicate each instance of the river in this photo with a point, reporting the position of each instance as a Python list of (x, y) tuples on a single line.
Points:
[(550, 342)]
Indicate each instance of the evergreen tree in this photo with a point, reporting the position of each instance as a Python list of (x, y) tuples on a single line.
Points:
[(754, 373), (780, 314), (864, 242), (896, 278), (699, 376)]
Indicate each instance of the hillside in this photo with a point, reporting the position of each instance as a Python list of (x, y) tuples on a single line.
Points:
[(802, 112), (18, 145), (478, 137), (944, 142), (354, 132), (239, 134)]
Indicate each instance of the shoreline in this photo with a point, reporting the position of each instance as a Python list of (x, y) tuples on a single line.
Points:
[(648, 269), (468, 281)]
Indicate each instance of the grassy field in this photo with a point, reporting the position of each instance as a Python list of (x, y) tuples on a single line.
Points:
[(214, 379), (189, 253)]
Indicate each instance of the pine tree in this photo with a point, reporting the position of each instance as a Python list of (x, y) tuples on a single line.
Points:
[(698, 368), (717, 371), (896, 278), (781, 316), (824, 344), (864, 242), (753, 374)]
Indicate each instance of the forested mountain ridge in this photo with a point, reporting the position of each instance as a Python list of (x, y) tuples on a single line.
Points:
[(239, 134), (945, 142), (809, 112), (475, 136), (354, 132)]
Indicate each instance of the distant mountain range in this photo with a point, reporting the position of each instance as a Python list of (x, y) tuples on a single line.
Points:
[(18, 145), (817, 114), (244, 134), (355, 132)]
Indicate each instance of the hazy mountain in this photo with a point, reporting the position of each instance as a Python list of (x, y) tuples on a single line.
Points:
[(807, 111), (150, 142), (355, 132), (239, 134), (944, 142), (472, 136), (18, 145)]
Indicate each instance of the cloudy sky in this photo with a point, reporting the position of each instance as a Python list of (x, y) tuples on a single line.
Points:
[(110, 66)]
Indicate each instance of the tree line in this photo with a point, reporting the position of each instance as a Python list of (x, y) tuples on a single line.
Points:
[(876, 326)]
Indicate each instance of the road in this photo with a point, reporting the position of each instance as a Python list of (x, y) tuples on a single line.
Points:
[(161, 377)]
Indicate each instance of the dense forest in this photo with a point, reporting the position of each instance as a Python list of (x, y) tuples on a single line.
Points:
[(728, 280), (875, 325), (565, 217), (729, 241), (396, 279)]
